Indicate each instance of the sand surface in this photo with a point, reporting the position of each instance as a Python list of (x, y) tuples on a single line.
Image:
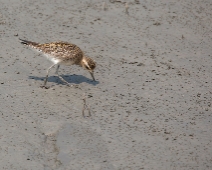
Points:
[(151, 104)]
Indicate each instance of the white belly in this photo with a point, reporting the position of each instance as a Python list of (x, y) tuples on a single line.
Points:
[(52, 59)]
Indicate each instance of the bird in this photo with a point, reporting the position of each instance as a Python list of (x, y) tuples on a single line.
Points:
[(62, 53)]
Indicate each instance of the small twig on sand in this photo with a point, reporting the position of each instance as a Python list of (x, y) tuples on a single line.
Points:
[(85, 106), (126, 8), (104, 6)]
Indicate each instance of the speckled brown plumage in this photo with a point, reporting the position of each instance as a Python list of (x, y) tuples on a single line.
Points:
[(63, 53), (62, 50)]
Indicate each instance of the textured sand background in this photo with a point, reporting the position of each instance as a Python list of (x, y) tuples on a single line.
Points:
[(151, 105)]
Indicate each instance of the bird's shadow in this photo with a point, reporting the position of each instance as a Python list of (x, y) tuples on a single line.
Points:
[(75, 79)]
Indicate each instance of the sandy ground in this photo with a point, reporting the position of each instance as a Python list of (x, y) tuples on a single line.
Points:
[(151, 105)]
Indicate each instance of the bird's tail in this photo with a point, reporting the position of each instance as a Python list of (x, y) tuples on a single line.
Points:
[(29, 43)]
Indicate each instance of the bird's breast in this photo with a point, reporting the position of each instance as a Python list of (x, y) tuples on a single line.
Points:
[(67, 62)]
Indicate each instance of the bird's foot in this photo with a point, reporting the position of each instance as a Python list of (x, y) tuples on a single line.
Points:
[(68, 84), (45, 87)]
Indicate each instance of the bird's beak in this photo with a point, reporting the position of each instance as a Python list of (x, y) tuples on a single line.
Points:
[(92, 76)]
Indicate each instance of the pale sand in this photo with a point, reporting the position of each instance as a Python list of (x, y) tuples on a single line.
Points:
[(151, 104)]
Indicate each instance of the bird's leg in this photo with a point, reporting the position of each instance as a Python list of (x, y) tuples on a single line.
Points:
[(64, 81), (58, 66), (45, 81)]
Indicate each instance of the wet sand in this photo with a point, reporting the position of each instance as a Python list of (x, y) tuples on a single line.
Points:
[(151, 103)]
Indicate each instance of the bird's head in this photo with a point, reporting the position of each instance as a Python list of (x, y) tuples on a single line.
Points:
[(89, 65)]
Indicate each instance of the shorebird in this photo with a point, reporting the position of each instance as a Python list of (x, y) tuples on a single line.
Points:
[(62, 53)]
